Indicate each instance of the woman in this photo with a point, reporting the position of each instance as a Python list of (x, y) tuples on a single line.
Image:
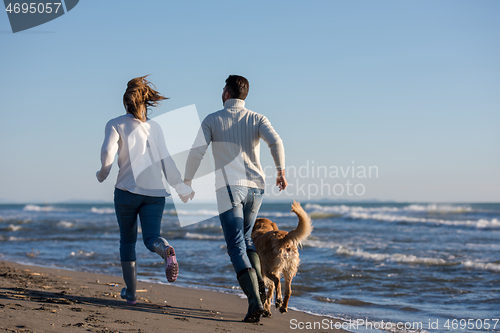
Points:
[(139, 189)]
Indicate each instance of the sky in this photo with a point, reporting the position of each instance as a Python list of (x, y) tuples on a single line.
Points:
[(409, 88)]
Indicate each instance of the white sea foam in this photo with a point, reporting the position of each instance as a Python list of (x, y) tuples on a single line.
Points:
[(13, 227), (172, 212), (481, 223), (65, 224), (276, 214), (430, 208), (321, 244), (199, 212), (483, 246), (16, 239), (412, 259), (82, 254), (494, 223), (482, 265), (394, 214), (192, 235), (344, 209), (35, 208), (209, 225), (435, 208), (396, 257), (105, 210), (207, 212)]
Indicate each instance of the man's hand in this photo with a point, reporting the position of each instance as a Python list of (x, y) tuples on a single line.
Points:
[(185, 198), (281, 180)]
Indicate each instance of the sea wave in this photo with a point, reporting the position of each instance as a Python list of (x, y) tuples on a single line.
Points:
[(403, 214), (344, 301), (481, 223), (482, 265), (65, 224), (192, 235), (276, 214), (435, 208), (396, 257), (429, 208), (344, 209), (104, 210), (200, 212), (16, 239), (207, 212), (36, 208), (171, 212), (12, 227), (82, 253), (412, 259), (321, 244)]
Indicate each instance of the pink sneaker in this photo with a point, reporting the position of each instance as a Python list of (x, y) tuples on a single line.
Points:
[(171, 266)]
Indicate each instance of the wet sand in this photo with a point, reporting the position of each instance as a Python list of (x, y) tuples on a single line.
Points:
[(39, 299)]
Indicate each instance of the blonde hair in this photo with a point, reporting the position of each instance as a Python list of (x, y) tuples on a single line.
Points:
[(139, 96)]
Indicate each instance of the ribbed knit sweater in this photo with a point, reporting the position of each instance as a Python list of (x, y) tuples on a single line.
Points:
[(235, 134)]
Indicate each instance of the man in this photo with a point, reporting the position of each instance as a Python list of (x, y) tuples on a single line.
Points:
[(235, 134)]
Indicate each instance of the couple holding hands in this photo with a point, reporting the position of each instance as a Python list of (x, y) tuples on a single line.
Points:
[(235, 134)]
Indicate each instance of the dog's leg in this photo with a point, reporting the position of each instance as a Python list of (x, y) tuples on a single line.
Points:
[(288, 291), (276, 280), (269, 298)]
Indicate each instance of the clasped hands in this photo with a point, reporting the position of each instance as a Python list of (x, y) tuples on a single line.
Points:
[(185, 198)]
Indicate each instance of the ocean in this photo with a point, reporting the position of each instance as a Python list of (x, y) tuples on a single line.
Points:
[(398, 267)]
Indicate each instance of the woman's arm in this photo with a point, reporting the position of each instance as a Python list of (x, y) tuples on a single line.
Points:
[(108, 151)]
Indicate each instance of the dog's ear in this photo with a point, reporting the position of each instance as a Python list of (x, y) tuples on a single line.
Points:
[(275, 227)]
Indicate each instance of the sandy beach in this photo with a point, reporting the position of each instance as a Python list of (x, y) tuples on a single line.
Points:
[(39, 299)]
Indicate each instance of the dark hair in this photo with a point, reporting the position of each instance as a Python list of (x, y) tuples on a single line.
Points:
[(139, 96), (237, 86)]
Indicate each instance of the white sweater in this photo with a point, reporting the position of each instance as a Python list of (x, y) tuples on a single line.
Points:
[(142, 156), (235, 134)]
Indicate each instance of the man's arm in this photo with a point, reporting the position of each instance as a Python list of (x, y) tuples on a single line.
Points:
[(197, 151), (273, 140), (281, 180), (172, 174)]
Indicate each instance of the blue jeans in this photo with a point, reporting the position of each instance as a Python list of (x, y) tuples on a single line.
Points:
[(237, 225), (150, 211)]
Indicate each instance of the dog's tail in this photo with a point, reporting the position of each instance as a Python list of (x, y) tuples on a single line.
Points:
[(304, 228)]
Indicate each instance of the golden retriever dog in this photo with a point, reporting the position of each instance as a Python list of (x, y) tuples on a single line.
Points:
[(278, 253)]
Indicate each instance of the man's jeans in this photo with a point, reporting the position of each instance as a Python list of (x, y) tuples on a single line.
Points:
[(150, 210), (237, 224)]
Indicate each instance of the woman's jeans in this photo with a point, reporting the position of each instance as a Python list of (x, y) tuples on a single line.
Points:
[(150, 211), (237, 224)]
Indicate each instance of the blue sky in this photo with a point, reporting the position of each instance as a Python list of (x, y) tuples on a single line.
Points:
[(411, 87)]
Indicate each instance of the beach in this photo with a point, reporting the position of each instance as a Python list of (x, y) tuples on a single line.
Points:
[(391, 262), (40, 299)]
